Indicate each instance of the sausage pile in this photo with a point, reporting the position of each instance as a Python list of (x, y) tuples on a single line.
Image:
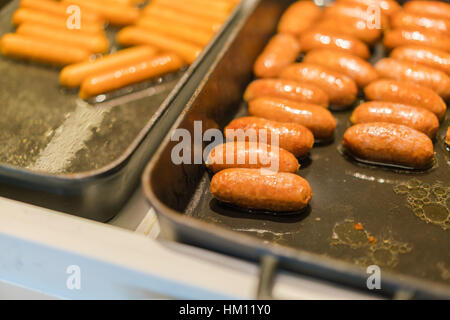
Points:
[(405, 93), (164, 36)]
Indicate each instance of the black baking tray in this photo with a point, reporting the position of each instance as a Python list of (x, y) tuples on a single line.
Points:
[(407, 212), (104, 169)]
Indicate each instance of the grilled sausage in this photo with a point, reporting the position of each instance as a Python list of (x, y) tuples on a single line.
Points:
[(389, 143), (286, 89), (316, 118), (140, 36), (429, 57), (251, 189), (380, 111), (341, 89), (23, 15), (351, 27), (292, 137), (24, 47), (281, 51), (432, 8), (255, 155), (352, 66), (358, 11), (388, 7), (73, 75), (406, 93), (316, 39), (406, 20), (116, 14), (436, 80), (299, 17), (59, 9), (94, 43), (133, 73), (405, 37), (197, 36)]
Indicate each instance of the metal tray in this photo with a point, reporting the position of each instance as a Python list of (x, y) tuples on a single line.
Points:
[(60, 152), (405, 211)]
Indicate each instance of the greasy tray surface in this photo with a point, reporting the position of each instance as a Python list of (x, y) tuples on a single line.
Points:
[(48, 128), (407, 212)]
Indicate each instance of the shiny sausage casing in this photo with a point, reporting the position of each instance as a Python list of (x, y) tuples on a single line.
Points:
[(380, 111), (281, 51), (388, 7), (299, 17), (406, 93), (432, 8), (251, 189), (361, 71), (389, 143), (406, 20), (286, 89), (341, 89), (351, 27), (242, 154), (358, 11), (316, 39), (316, 118), (433, 79), (292, 137), (429, 57), (404, 37)]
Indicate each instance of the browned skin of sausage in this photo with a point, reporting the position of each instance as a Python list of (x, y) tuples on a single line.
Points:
[(356, 10), (414, 117), (281, 51), (405, 37), (286, 89), (341, 89), (429, 57), (349, 26), (316, 39), (406, 20), (436, 80), (250, 189), (389, 143), (299, 17), (447, 137), (433, 8), (406, 93), (316, 118), (241, 154), (388, 7), (361, 71), (292, 137)]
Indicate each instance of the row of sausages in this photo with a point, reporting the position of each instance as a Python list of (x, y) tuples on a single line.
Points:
[(290, 99), (167, 34)]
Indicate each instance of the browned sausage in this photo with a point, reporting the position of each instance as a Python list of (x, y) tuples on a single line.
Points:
[(358, 11), (251, 189), (299, 17), (361, 71), (292, 137), (389, 143), (380, 111), (287, 89), (447, 137), (406, 93), (432, 8), (429, 57), (351, 27), (406, 20), (281, 51), (341, 89), (316, 39), (255, 155), (388, 7), (436, 80), (316, 118), (405, 37)]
